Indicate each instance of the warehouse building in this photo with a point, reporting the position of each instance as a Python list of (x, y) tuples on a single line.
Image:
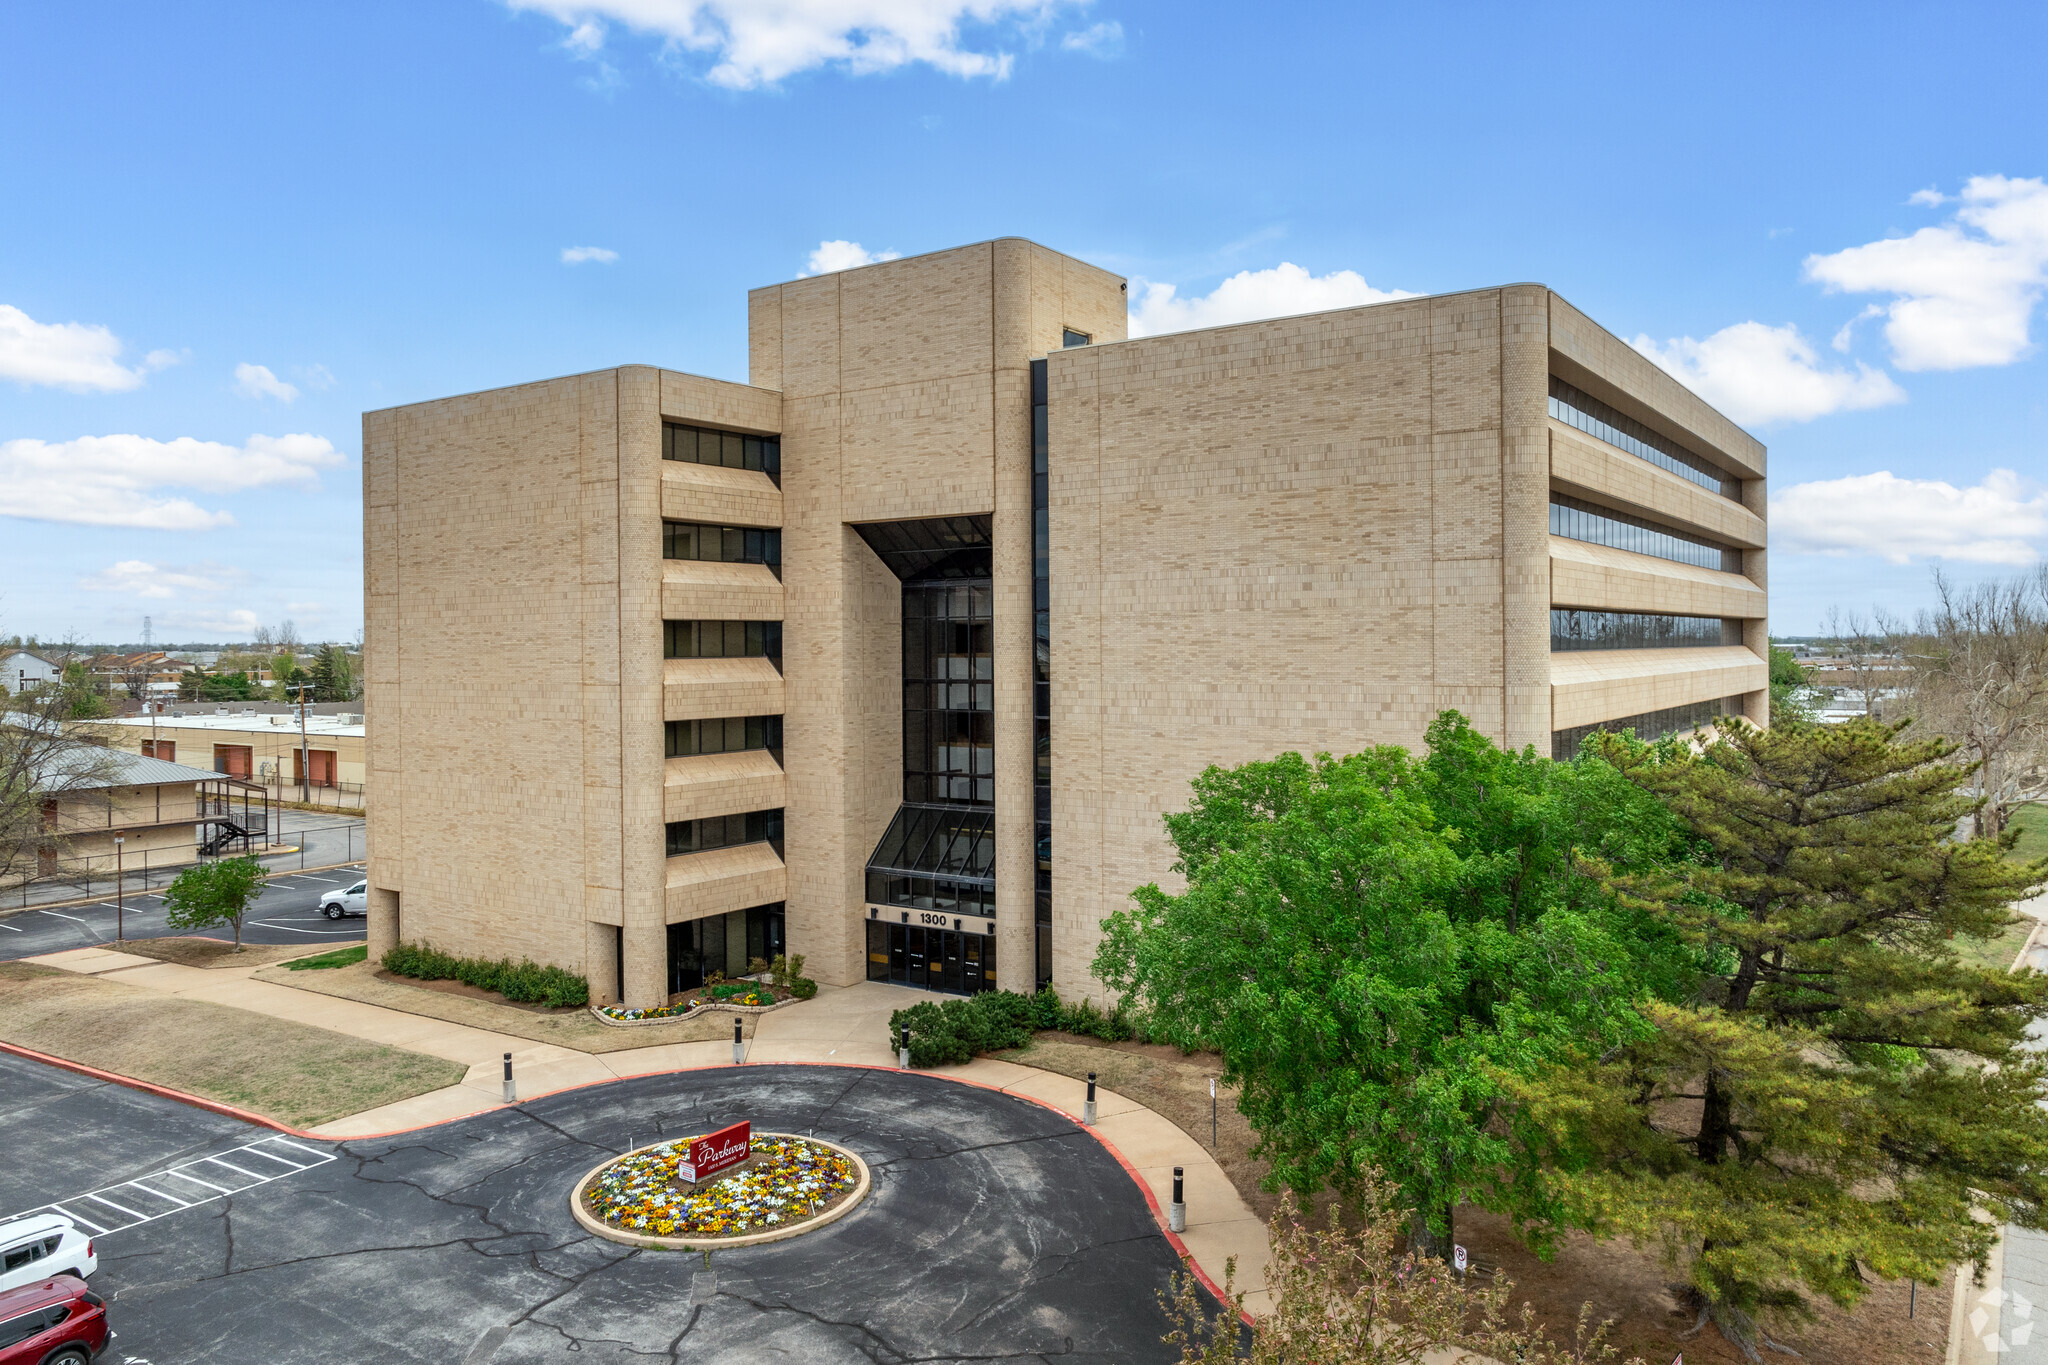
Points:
[(895, 655)]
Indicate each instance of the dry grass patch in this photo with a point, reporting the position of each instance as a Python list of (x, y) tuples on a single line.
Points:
[(211, 952), (1630, 1286), (459, 1004), (295, 1073)]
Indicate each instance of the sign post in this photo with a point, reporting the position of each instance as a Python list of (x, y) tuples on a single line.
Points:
[(1458, 1259), (718, 1151)]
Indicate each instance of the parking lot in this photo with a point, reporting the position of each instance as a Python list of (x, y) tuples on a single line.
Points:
[(996, 1230), (287, 911)]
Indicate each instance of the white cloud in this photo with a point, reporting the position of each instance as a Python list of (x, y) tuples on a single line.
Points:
[(842, 255), (2003, 520), (759, 42), (256, 381), (68, 355), (316, 377), (123, 480), (211, 623), (1284, 290), (1757, 373), (577, 255), (140, 578), (1964, 292), (1098, 40)]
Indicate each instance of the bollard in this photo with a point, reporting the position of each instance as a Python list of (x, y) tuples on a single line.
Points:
[(1088, 1105), (739, 1048), (1177, 1211), (510, 1094), (903, 1048)]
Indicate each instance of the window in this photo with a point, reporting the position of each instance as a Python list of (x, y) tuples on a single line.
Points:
[(721, 544), (20, 1328), (20, 1256), (1575, 520), (727, 449), (723, 640), (1041, 674), (1673, 720), (727, 735), (948, 692), (940, 858), (1070, 337), (1602, 423), (1576, 630), (725, 831)]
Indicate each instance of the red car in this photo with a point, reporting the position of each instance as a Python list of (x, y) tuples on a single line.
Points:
[(57, 1321)]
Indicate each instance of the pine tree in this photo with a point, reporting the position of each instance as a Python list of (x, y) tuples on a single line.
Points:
[(1840, 1089)]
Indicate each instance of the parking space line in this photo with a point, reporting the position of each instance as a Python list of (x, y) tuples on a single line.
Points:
[(101, 1199), (63, 1212), (260, 1147)]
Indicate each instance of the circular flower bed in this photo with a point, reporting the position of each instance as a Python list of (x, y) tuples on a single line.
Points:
[(789, 1183)]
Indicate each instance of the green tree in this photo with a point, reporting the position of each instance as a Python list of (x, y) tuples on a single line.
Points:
[(1788, 675), (1372, 942), (333, 676), (213, 893), (1840, 1090), (83, 699), (227, 687)]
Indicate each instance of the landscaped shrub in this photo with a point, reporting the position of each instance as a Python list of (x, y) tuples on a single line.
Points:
[(948, 1031), (525, 981)]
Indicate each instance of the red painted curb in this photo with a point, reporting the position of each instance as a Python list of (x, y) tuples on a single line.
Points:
[(249, 1116), (196, 1101)]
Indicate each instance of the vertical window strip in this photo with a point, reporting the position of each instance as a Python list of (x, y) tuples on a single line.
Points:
[(1041, 673)]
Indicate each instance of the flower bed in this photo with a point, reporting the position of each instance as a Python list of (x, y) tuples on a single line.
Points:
[(730, 995), (788, 1183)]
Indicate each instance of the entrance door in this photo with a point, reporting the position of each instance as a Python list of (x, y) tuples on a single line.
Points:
[(232, 759), (931, 959)]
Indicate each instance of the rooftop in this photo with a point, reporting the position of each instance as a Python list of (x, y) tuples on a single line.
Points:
[(343, 725)]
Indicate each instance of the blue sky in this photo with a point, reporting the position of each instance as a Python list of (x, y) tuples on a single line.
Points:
[(230, 229)]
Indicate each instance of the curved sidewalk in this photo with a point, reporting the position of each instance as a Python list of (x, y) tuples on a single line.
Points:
[(846, 1026)]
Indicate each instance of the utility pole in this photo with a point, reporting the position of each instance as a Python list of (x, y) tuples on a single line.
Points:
[(305, 754), (120, 900)]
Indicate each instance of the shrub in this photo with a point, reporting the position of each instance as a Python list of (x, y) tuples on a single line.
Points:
[(526, 981), (801, 986), (943, 1032)]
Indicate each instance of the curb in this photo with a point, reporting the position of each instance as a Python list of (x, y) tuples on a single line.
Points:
[(196, 1101), (600, 1228)]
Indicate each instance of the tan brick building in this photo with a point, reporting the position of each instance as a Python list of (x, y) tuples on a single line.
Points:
[(895, 655)]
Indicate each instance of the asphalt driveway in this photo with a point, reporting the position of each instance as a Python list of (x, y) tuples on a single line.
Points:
[(995, 1230)]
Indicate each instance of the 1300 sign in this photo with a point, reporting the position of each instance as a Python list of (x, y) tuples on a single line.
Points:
[(935, 919)]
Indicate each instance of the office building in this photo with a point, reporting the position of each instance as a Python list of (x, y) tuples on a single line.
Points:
[(894, 655)]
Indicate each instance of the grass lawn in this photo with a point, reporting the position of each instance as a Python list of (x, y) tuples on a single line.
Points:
[(2032, 823), (340, 957), (291, 1072), (460, 1004)]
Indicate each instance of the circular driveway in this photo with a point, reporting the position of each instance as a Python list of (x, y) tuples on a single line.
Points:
[(996, 1229)]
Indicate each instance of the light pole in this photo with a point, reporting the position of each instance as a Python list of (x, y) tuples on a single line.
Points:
[(120, 904), (305, 755)]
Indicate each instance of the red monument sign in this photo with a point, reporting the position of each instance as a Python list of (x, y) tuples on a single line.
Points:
[(715, 1152)]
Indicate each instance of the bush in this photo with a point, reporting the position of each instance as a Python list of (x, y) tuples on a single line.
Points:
[(803, 988), (526, 981), (943, 1032), (800, 986)]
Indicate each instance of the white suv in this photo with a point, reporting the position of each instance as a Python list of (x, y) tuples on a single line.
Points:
[(354, 901), (38, 1247)]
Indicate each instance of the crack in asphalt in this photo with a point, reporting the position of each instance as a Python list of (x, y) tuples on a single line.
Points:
[(559, 1278)]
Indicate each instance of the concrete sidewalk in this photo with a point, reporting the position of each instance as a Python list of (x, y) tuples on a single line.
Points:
[(840, 1027)]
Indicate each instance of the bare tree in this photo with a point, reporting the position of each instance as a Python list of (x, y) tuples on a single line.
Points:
[(286, 638), (1867, 652), (135, 674), (1981, 679), (47, 764), (263, 639)]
